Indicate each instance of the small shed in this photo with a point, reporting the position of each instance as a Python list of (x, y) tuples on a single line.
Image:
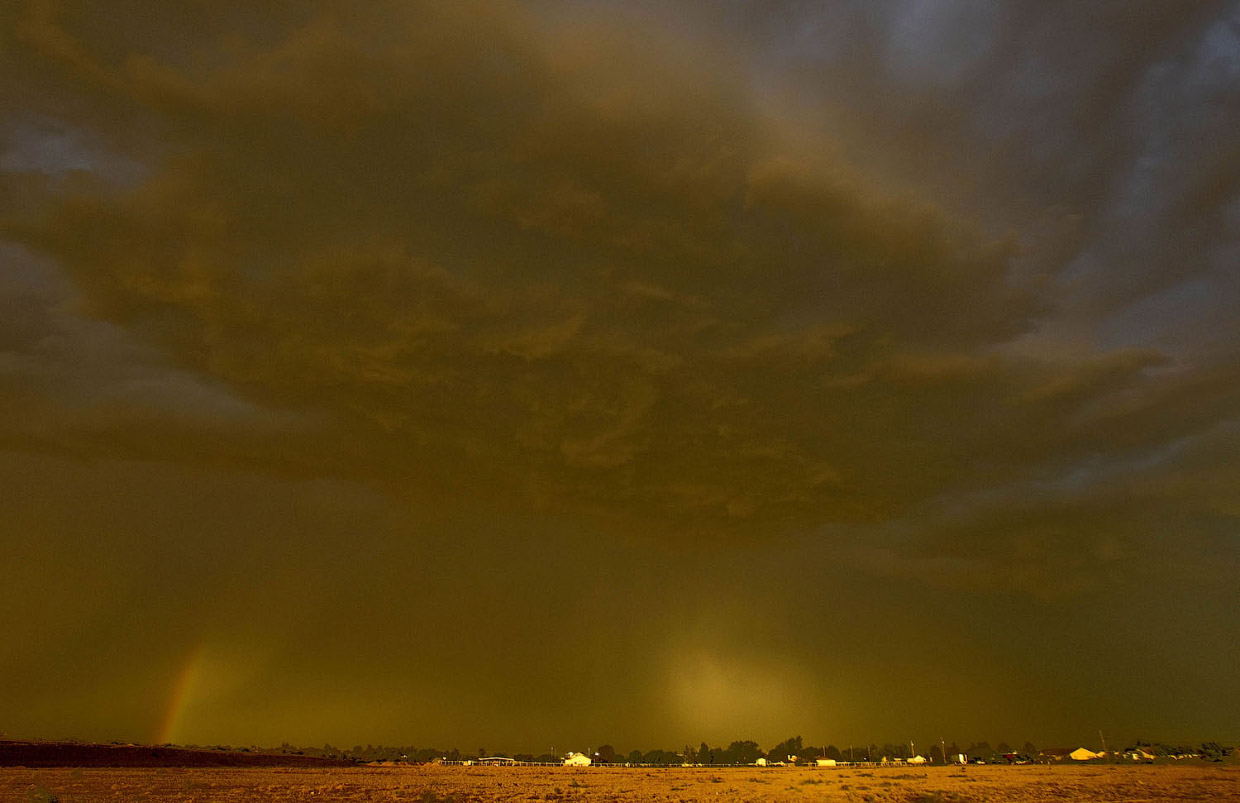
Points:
[(577, 760)]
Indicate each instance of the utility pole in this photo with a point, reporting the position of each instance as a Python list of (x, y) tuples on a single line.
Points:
[(943, 750)]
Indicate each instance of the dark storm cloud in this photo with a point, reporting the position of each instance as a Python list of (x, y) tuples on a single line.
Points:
[(1110, 157), (940, 288), (588, 269)]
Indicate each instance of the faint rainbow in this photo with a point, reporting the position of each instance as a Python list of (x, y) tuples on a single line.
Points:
[(180, 695)]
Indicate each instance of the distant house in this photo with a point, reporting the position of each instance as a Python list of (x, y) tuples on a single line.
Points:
[(1083, 754), (917, 760), (761, 762), (577, 760), (825, 762)]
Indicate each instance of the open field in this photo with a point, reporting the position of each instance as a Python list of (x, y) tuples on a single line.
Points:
[(436, 784)]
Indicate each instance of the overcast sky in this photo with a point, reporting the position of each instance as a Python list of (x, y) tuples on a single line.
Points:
[(550, 374)]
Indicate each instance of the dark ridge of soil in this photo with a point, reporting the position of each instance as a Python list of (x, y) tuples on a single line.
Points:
[(73, 754)]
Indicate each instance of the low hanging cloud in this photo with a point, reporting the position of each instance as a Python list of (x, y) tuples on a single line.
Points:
[(483, 250)]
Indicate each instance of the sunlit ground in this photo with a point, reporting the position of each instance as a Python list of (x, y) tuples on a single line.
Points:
[(436, 784)]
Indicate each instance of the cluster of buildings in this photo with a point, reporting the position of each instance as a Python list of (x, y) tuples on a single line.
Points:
[(571, 760), (1050, 754), (1085, 754)]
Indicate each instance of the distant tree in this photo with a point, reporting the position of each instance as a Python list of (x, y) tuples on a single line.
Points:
[(660, 757), (705, 754), (831, 751), (1029, 749), (1211, 750), (690, 755), (788, 747), (745, 752), (635, 757), (606, 754), (1003, 747), (980, 750)]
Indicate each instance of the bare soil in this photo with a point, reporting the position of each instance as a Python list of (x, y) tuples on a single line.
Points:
[(438, 784)]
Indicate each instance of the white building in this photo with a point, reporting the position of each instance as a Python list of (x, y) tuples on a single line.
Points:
[(577, 760)]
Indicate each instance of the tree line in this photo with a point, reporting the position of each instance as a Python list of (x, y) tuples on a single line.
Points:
[(737, 752)]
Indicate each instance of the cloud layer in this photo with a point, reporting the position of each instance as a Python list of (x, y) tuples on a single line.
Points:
[(941, 291)]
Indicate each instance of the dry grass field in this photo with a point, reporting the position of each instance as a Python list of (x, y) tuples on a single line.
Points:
[(437, 784)]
